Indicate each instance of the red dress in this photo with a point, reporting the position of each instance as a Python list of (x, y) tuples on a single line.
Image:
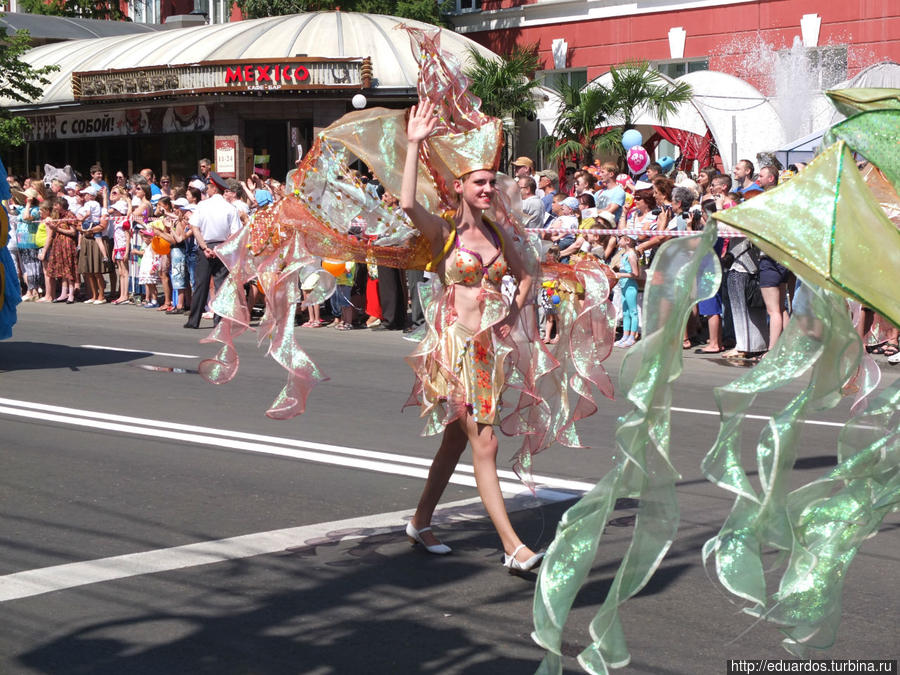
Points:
[(62, 259)]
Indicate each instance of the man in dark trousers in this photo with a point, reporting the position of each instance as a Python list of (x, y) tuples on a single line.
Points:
[(212, 222)]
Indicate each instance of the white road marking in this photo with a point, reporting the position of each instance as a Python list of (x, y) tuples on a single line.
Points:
[(383, 462), (695, 411), (140, 351), (71, 575)]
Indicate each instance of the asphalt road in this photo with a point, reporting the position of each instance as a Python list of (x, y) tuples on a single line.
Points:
[(154, 523)]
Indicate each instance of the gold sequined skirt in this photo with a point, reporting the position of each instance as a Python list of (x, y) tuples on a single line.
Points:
[(471, 375)]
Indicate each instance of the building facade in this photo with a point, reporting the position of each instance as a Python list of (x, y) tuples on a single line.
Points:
[(580, 39), (250, 95)]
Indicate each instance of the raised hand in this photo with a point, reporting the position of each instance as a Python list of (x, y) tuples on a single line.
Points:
[(422, 121)]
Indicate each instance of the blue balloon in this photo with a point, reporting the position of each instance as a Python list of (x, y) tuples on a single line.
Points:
[(555, 299), (631, 138)]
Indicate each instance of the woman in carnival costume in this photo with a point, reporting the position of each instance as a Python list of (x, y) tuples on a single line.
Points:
[(10, 292), (476, 346), (471, 259)]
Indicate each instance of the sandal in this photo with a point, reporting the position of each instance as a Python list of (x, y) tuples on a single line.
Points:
[(343, 326), (164, 308), (889, 349)]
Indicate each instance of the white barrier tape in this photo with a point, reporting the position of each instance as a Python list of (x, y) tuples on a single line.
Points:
[(723, 232)]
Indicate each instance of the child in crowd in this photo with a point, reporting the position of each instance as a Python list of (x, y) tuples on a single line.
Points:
[(545, 304), (627, 276), (340, 301), (118, 212)]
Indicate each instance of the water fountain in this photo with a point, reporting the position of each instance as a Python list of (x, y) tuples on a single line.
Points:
[(793, 78)]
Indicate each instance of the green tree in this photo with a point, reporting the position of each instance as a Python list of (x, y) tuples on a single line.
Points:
[(83, 9), (506, 87), (634, 88), (574, 136), (20, 82), (428, 11)]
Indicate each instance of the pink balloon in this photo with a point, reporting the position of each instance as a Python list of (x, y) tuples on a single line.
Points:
[(637, 159)]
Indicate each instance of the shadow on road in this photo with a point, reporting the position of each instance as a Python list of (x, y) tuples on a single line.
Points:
[(370, 605), (39, 355)]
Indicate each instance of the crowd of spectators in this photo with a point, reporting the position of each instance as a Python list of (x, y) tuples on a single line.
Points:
[(131, 240), (596, 212), (138, 240)]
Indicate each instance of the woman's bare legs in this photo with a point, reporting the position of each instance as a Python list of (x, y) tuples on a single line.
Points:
[(453, 443), (484, 456), (122, 268), (484, 459), (774, 299)]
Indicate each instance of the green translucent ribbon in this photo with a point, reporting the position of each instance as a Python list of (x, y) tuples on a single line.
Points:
[(831, 517), (819, 339), (685, 270), (820, 525)]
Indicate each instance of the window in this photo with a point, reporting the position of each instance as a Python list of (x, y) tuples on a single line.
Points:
[(461, 6), (144, 11), (678, 67), (552, 78)]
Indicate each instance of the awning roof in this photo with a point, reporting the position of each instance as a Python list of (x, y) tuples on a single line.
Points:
[(318, 34), (55, 28)]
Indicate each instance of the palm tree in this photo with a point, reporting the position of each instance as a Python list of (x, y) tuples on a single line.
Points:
[(506, 87), (635, 88), (574, 136)]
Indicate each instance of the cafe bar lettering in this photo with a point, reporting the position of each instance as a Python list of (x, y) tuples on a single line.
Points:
[(223, 77)]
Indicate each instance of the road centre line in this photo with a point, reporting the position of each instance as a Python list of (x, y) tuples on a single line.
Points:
[(140, 351), (42, 580), (765, 418), (397, 464)]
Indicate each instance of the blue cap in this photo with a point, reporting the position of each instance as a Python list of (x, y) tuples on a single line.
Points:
[(571, 202)]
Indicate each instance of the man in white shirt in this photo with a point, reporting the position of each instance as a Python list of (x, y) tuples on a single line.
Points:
[(532, 206), (212, 222)]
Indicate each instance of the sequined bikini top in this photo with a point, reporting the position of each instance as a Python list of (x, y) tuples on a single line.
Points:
[(467, 267)]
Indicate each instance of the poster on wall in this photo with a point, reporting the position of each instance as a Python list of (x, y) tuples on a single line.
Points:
[(128, 122), (226, 157)]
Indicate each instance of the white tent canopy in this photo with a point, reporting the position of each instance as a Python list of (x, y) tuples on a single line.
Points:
[(803, 149), (800, 150), (741, 120)]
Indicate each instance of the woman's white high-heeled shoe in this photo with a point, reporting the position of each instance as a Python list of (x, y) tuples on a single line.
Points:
[(510, 561), (415, 537)]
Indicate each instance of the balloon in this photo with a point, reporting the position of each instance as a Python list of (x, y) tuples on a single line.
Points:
[(337, 269), (358, 101), (555, 299), (637, 159), (160, 246), (631, 138)]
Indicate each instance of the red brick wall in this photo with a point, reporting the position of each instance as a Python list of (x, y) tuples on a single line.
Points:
[(870, 27)]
